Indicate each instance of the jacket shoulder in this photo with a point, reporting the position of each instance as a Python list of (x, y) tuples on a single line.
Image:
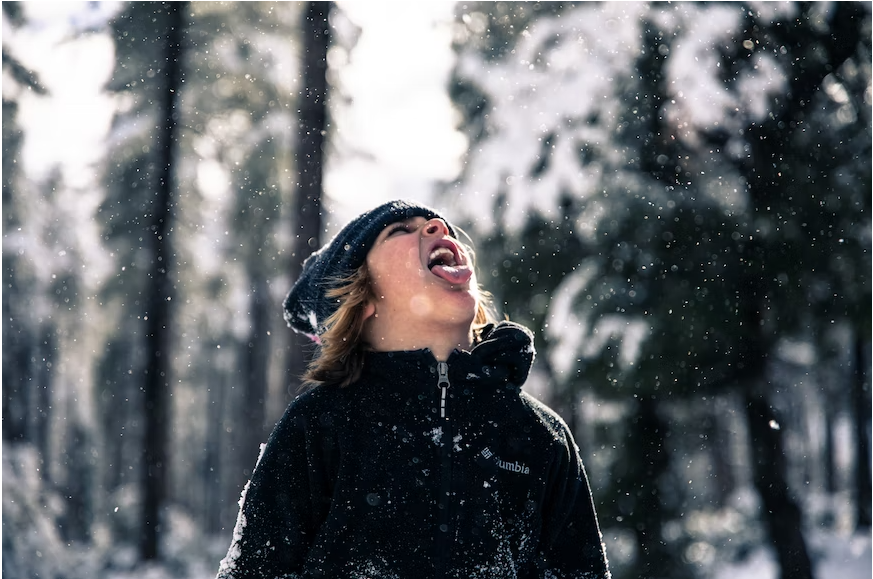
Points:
[(313, 407), (315, 398), (550, 421)]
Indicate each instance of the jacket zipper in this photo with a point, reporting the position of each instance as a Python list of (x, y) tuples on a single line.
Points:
[(443, 500), (443, 385)]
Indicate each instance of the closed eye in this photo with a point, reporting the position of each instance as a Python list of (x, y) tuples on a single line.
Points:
[(404, 227)]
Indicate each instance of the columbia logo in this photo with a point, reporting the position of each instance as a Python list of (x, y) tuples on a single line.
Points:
[(520, 468)]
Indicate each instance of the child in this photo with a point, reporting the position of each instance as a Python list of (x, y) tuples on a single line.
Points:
[(415, 454)]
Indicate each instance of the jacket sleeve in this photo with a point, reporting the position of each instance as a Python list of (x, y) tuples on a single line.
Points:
[(284, 503), (571, 546)]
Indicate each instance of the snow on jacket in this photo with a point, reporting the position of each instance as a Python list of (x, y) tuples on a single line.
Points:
[(421, 470)]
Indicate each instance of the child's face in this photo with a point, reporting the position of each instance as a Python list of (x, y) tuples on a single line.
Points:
[(421, 274)]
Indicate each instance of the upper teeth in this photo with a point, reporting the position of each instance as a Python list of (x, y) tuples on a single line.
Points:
[(443, 255)]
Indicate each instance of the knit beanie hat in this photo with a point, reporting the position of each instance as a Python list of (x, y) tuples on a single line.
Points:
[(307, 305)]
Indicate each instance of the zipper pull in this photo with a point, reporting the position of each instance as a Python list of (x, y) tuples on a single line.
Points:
[(443, 385)]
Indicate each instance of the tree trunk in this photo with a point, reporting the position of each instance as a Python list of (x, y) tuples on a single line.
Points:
[(157, 379), (17, 354), (721, 448), (43, 385), (79, 487), (861, 406), (782, 516), (213, 494), (115, 393), (830, 455), (649, 461), (312, 126), (257, 358)]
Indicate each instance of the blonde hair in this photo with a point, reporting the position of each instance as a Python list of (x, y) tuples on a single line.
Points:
[(340, 357)]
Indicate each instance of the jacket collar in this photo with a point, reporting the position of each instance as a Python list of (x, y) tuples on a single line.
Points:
[(503, 356)]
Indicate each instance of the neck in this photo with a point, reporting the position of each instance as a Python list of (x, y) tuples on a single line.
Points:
[(439, 339)]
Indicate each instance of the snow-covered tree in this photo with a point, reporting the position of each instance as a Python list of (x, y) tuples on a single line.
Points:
[(642, 178)]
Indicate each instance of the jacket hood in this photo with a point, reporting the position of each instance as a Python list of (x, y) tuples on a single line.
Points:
[(505, 352)]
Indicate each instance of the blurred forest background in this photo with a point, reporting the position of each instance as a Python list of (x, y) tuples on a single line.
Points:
[(674, 197)]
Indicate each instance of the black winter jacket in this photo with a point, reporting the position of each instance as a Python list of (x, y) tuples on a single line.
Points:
[(421, 470)]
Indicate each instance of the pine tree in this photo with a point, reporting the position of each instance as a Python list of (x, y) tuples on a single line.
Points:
[(618, 187)]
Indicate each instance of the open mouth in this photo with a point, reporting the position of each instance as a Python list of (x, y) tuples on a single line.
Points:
[(446, 262), (442, 256)]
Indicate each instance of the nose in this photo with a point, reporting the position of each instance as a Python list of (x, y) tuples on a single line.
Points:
[(436, 227)]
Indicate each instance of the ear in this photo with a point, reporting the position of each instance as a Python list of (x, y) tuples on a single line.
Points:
[(369, 310)]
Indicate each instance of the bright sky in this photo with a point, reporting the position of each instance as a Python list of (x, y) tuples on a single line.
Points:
[(400, 133), (68, 127)]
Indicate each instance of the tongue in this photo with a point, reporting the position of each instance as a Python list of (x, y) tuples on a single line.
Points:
[(456, 274)]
